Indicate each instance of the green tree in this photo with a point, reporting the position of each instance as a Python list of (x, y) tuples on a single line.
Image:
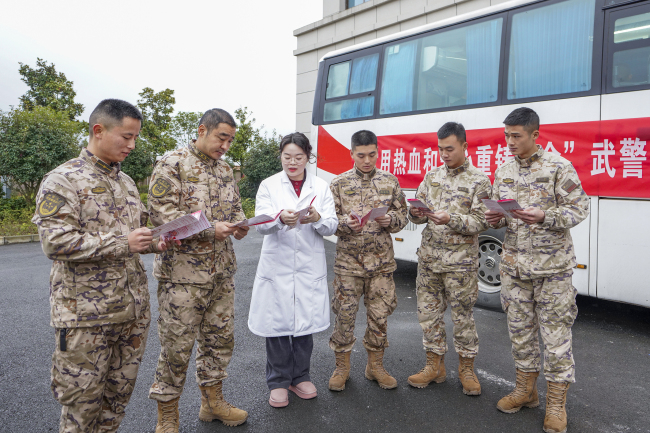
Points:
[(246, 137), (48, 88), (157, 109), (184, 127), (262, 161), (32, 143)]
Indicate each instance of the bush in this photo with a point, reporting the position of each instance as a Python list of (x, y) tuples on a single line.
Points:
[(14, 203), (143, 197), (262, 161), (15, 222), (248, 206)]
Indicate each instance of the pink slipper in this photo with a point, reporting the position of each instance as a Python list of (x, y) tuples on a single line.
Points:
[(304, 390), (279, 397)]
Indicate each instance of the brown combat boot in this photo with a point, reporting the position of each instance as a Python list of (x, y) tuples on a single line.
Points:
[(214, 406), (341, 372), (471, 386), (555, 420), (524, 394), (433, 371), (168, 416), (375, 370)]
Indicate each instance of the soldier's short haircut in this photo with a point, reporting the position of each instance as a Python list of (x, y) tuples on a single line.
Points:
[(111, 112), (363, 138), (525, 117), (299, 139), (453, 128), (212, 118)]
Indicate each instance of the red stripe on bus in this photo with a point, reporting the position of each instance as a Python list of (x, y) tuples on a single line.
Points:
[(610, 156)]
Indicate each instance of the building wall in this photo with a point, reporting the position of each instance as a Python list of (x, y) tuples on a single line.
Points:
[(342, 27)]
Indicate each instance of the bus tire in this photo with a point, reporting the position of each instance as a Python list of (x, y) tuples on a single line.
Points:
[(489, 279)]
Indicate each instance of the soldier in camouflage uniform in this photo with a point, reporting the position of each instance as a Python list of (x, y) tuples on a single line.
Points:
[(448, 258), (364, 262), (537, 264), (93, 225), (196, 288)]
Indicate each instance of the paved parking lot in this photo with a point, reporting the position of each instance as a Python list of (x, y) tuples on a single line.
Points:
[(611, 347)]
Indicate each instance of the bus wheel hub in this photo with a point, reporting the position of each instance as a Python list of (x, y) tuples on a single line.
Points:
[(490, 262)]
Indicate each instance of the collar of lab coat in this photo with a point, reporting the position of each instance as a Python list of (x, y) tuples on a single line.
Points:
[(306, 192)]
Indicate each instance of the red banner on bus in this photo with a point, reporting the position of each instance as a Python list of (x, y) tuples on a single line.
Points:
[(609, 156)]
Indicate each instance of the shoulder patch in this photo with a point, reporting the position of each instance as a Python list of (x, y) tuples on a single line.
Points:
[(349, 192), (50, 204), (542, 179), (193, 179), (569, 186), (508, 180), (463, 189), (160, 187), (435, 183), (98, 190)]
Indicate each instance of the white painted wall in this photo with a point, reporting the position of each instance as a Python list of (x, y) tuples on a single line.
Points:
[(342, 27)]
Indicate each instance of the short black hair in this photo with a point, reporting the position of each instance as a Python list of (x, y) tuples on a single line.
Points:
[(111, 112), (299, 139), (363, 138), (212, 118), (525, 117), (452, 128)]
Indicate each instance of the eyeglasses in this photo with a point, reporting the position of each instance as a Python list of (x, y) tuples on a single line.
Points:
[(298, 159)]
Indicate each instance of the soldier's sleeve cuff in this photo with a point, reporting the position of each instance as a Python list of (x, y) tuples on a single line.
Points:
[(455, 222), (122, 247), (549, 220)]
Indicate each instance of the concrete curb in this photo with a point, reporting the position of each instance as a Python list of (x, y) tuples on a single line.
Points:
[(8, 240)]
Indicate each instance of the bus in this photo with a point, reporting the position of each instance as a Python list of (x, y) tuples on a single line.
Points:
[(582, 65)]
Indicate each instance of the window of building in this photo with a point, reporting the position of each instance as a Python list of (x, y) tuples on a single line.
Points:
[(551, 50), (448, 69), (353, 3), (631, 60), (348, 80)]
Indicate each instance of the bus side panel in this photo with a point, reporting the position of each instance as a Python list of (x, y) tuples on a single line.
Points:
[(623, 251), (580, 236)]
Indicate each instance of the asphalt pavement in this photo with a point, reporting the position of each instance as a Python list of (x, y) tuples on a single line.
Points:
[(611, 349)]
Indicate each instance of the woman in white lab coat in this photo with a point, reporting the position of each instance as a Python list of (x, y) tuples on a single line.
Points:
[(290, 300)]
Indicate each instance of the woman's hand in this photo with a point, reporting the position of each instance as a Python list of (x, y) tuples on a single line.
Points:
[(311, 217), (289, 217)]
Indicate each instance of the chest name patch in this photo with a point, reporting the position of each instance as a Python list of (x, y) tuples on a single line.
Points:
[(384, 191), (435, 183), (508, 180), (50, 204), (348, 192), (227, 179), (463, 189), (542, 179)]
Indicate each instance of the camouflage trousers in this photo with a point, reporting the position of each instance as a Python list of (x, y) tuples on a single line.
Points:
[(379, 298), (547, 305), (189, 313), (436, 290), (94, 377)]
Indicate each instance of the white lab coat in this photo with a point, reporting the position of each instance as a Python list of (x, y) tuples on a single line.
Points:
[(290, 295)]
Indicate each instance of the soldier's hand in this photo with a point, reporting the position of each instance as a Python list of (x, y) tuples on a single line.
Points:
[(222, 230), (416, 212), (311, 217), (166, 243), (353, 223), (530, 215), (384, 221), (241, 233), (493, 217), (440, 217), (139, 240), (289, 217)]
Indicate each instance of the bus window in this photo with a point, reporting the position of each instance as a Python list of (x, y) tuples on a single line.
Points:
[(454, 68), (351, 78), (632, 66), (551, 50), (460, 67)]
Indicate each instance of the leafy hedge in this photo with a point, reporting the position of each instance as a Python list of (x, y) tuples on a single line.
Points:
[(248, 206)]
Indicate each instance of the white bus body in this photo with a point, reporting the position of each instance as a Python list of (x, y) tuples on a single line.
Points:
[(602, 127)]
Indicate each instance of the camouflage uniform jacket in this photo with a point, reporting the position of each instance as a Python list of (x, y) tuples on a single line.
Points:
[(453, 247), (186, 181), (85, 211), (550, 183), (369, 252)]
